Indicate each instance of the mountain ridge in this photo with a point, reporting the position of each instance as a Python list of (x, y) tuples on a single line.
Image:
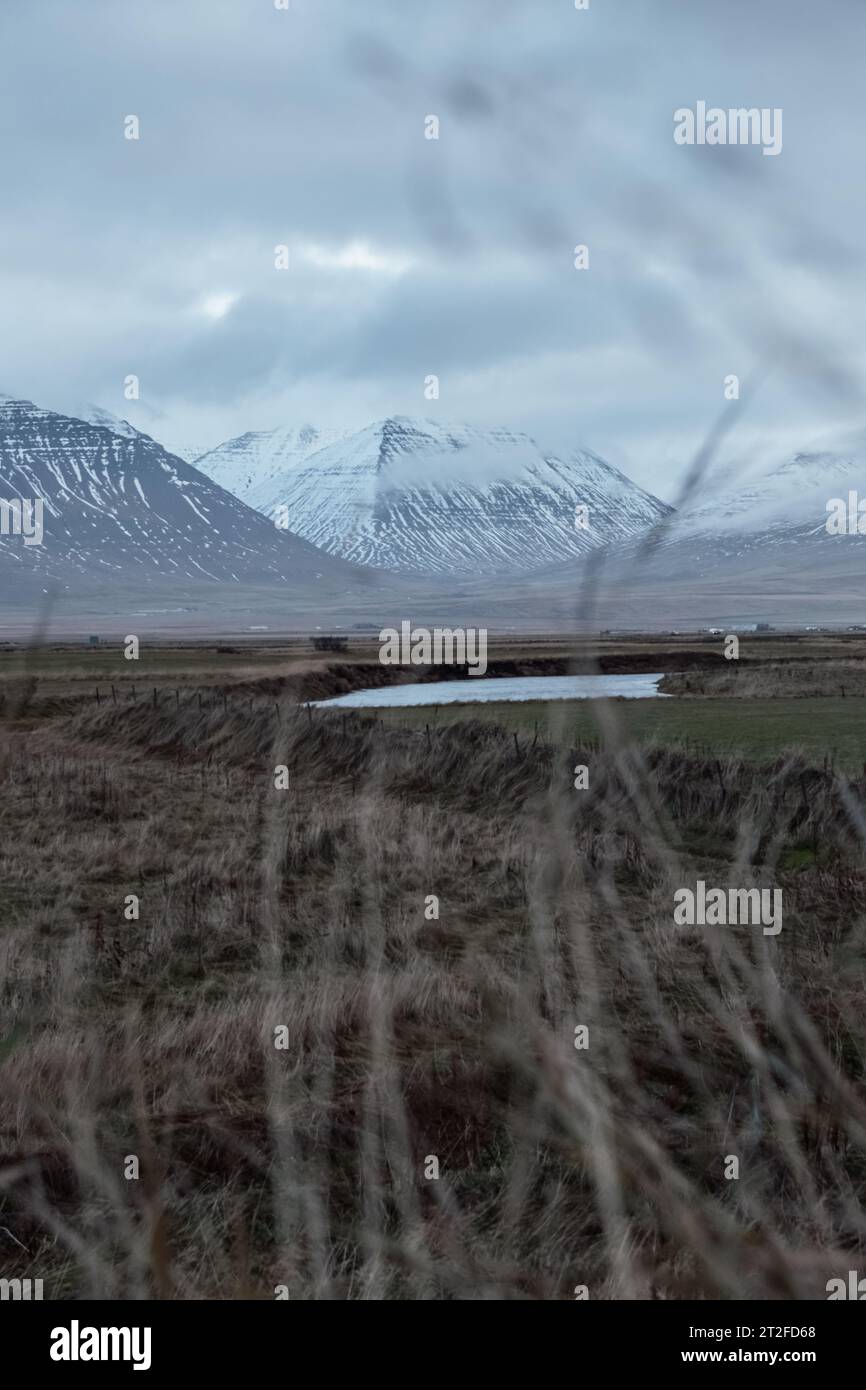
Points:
[(416, 496), (120, 507)]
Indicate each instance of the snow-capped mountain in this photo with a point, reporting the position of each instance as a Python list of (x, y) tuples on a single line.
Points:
[(118, 507), (765, 513), (415, 496), (255, 463), (751, 547)]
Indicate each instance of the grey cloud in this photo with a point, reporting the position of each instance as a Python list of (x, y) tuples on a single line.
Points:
[(306, 127)]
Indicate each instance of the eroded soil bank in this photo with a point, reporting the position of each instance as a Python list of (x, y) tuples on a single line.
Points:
[(60, 681), (343, 677)]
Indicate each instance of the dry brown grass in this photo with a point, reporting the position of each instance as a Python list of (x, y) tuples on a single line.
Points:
[(305, 908), (784, 680)]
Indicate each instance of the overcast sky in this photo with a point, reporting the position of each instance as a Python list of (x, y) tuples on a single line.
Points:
[(411, 257)]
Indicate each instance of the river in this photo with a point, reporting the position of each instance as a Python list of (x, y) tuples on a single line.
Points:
[(477, 690)]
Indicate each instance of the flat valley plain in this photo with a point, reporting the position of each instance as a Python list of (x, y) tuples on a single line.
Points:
[(789, 692), (338, 1004)]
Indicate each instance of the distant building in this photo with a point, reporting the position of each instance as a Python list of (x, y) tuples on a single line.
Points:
[(741, 627), (94, 641)]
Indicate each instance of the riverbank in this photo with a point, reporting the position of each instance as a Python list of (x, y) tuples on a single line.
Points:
[(293, 669)]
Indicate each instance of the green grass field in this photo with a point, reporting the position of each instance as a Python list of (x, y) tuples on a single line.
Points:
[(756, 729)]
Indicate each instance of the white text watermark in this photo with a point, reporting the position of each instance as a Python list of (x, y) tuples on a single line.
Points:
[(441, 646)]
